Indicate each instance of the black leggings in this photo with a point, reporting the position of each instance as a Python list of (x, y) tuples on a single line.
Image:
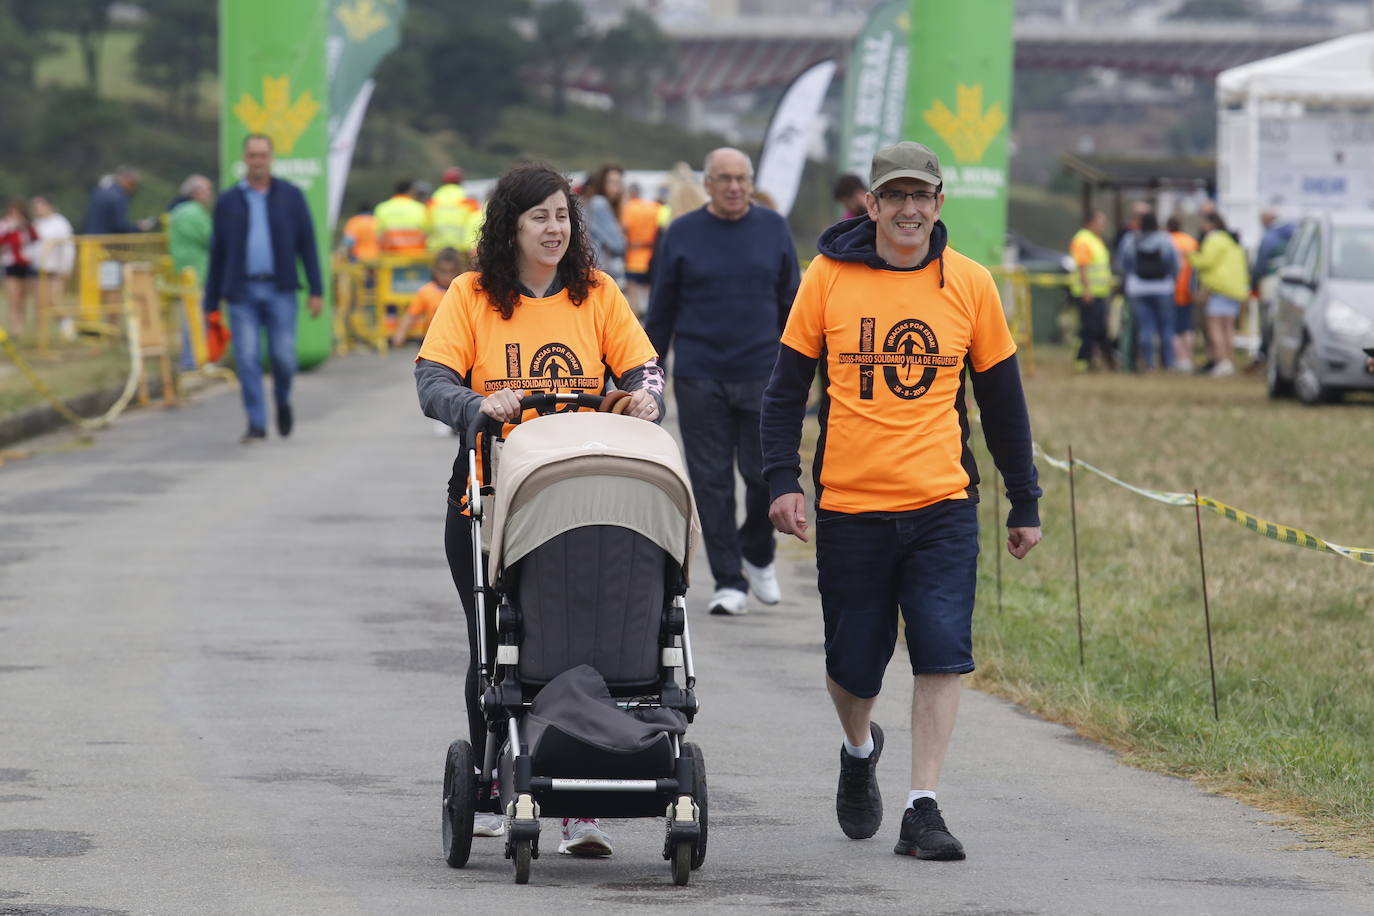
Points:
[(458, 548)]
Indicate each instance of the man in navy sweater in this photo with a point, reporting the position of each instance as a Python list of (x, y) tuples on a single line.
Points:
[(723, 285), (261, 226)]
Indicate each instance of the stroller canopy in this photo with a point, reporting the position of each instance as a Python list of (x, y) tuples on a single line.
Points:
[(565, 471)]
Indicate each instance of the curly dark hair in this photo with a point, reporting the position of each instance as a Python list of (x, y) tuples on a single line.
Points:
[(520, 189)]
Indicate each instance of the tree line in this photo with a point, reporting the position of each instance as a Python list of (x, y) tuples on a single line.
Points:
[(458, 68)]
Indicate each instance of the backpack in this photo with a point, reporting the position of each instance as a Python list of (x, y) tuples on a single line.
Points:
[(1150, 263)]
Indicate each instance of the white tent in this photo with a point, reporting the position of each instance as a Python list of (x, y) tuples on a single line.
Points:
[(1296, 133)]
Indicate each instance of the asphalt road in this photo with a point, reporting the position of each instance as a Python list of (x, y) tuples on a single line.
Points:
[(228, 677)]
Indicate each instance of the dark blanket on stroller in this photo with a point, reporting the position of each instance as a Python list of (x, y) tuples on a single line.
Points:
[(579, 704)]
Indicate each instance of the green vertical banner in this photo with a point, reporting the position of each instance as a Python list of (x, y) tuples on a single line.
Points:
[(959, 104), (272, 74), (875, 87)]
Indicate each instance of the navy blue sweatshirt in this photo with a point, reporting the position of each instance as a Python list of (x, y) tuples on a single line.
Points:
[(722, 290), (997, 390)]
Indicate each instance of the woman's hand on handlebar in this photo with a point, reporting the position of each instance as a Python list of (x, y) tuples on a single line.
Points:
[(503, 405), (642, 405)]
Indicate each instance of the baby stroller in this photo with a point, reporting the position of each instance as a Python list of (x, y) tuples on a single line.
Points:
[(588, 682)]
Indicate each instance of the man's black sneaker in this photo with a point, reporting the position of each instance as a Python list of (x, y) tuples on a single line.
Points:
[(925, 836), (254, 436), (284, 419), (858, 803)]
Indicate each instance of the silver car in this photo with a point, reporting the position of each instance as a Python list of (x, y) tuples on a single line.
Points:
[(1323, 311)]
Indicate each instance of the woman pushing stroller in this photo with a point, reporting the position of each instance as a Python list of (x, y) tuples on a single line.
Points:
[(536, 315)]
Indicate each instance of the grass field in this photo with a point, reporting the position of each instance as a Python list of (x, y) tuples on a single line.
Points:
[(1291, 627), (1292, 630), (68, 369)]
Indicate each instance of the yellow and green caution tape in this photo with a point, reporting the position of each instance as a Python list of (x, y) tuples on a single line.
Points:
[(42, 387), (1284, 534)]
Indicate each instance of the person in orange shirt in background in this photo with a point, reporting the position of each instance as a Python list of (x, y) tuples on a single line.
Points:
[(360, 235), (448, 264), (1185, 245), (640, 218)]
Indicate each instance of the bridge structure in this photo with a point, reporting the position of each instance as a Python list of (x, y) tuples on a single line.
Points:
[(748, 55)]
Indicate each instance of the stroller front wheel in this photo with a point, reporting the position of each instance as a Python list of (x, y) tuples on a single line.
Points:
[(522, 854), (682, 862)]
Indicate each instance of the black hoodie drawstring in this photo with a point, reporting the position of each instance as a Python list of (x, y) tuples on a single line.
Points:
[(942, 268)]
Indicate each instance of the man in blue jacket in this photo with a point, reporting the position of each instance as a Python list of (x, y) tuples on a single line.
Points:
[(261, 226), (723, 284)]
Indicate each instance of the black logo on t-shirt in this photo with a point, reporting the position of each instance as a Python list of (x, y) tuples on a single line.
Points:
[(554, 366), (909, 357)]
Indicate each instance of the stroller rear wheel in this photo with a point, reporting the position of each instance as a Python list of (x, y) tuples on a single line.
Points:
[(699, 796), (460, 797)]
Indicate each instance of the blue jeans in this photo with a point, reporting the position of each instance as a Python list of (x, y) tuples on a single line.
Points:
[(273, 310), (1154, 319), (925, 564), (720, 427)]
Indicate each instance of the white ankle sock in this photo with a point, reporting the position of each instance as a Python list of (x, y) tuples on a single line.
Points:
[(918, 793), (862, 750)]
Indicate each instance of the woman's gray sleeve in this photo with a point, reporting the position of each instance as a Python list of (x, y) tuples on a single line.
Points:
[(444, 397), (649, 377)]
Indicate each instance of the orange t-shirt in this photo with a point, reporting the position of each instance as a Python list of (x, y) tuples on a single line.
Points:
[(1185, 245), (424, 305), (639, 219), (548, 344), (895, 344), (361, 230)]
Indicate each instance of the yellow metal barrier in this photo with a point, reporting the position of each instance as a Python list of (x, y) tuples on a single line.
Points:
[(371, 295), (100, 273), (1014, 284)]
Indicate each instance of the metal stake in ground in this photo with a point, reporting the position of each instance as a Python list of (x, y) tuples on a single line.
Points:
[(1206, 610), (1077, 593), (996, 526)]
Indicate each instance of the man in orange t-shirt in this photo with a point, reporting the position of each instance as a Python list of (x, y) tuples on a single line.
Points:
[(897, 316), (640, 220), (1185, 245), (360, 235)]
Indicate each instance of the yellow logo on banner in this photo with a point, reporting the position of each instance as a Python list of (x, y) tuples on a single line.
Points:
[(362, 20), (969, 131), (277, 116)]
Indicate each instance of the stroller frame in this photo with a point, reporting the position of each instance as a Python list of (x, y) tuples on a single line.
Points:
[(503, 700)]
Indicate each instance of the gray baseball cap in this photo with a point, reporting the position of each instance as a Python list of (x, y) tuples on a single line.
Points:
[(905, 160)]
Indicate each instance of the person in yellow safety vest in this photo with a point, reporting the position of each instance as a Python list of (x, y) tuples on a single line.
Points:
[(402, 223), (641, 220), (454, 216), (1090, 285)]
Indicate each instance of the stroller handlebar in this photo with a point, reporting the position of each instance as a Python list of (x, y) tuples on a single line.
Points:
[(545, 402)]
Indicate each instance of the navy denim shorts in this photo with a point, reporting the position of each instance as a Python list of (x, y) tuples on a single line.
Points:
[(925, 564)]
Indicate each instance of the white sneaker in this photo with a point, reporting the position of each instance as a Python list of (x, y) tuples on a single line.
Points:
[(484, 824), (763, 582), (1223, 369), (583, 836), (729, 601)]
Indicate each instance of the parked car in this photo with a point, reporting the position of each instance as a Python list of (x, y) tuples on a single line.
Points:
[(1037, 258), (1323, 309)]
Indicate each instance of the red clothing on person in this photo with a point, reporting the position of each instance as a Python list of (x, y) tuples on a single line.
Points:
[(13, 242)]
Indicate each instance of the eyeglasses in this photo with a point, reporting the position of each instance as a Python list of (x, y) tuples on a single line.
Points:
[(893, 196), (730, 179)]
